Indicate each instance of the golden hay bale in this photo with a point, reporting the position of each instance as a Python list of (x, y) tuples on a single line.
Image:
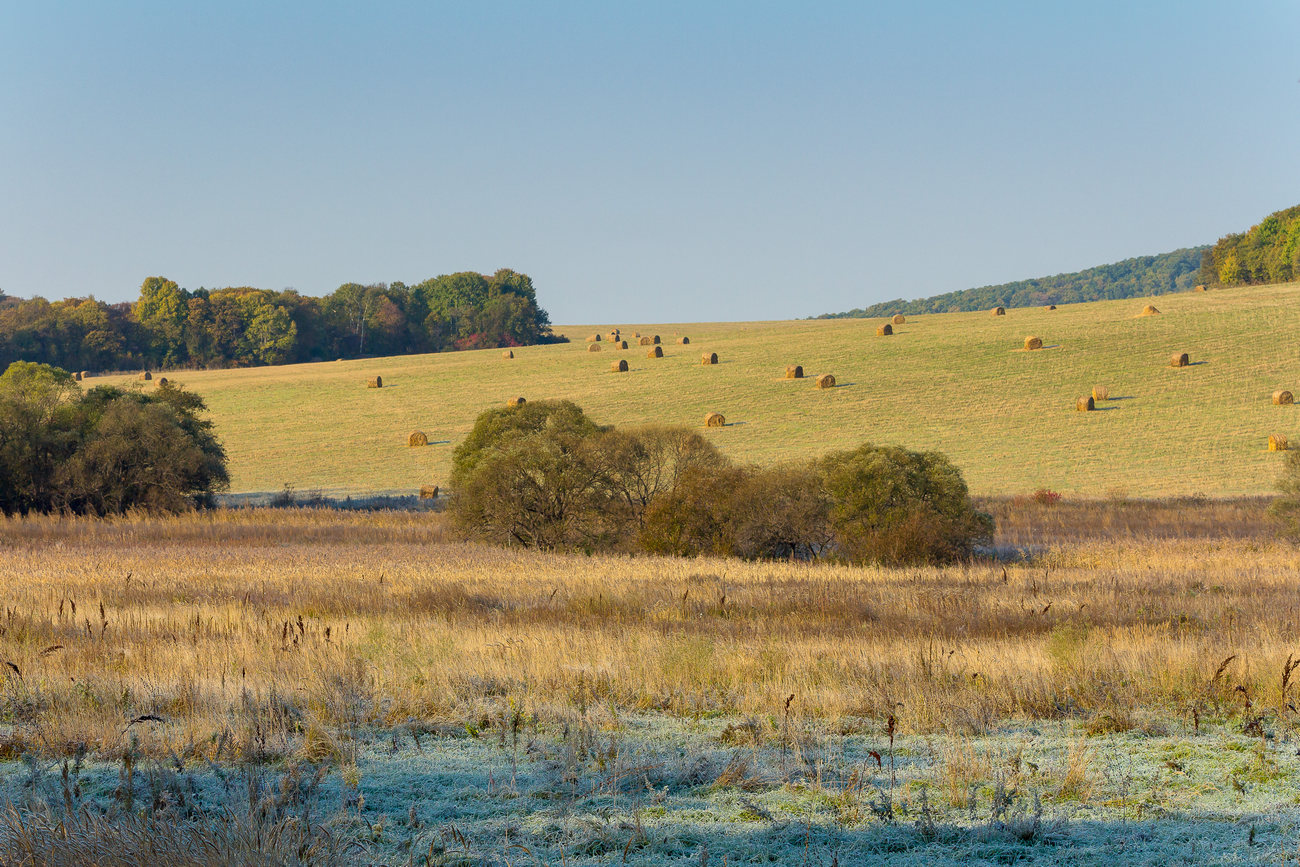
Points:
[(1050, 307), (1032, 343), (622, 344), (636, 333), (709, 358), (825, 381), (428, 492), (684, 340), (593, 338), (714, 419), (1179, 359), (999, 311), (655, 352), (619, 366), (515, 402), (1085, 404), (162, 381), (1150, 310), (655, 338), (375, 382), (509, 353), (899, 319), (1199, 288), (85, 374), (417, 438), (794, 371), (593, 347), (1100, 392), (1282, 398), (146, 376), (885, 330), (1277, 443), (77, 376), (646, 341), (614, 336)]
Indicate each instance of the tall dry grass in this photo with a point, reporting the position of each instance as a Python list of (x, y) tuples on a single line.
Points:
[(261, 633)]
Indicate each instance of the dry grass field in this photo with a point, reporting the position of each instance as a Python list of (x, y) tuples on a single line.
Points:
[(958, 383), (450, 701)]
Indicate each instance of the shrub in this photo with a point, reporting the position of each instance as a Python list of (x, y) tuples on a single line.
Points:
[(697, 516), (1286, 508)]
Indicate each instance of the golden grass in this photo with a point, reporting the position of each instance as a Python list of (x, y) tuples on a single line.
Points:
[(269, 623)]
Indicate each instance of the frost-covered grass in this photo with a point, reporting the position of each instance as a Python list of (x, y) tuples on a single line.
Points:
[(603, 788)]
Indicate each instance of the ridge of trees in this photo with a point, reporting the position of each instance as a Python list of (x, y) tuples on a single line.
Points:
[(1177, 271), (168, 326), (1268, 252)]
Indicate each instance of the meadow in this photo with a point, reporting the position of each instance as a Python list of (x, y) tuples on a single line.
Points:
[(959, 383), (351, 687)]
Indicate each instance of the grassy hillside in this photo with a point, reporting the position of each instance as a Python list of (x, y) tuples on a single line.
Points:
[(956, 382)]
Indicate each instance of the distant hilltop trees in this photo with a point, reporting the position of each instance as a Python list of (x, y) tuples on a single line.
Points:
[(242, 326), (1267, 253), (1133, 278)]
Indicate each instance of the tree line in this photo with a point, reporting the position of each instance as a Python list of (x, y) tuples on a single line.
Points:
[(168, 326), (544, 475), (1267, 253), (1178, 271)]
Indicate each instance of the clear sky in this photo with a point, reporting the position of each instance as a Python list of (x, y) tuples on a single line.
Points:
[(643, 161)]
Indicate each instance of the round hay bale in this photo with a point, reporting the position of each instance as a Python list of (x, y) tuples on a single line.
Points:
[(1200, 288), (655, 339), (684, 340), (417, 438), (899, 319), (1085, 404), (1100, 392), (825, 381), (655, 352), (1277, 443), (619, 366), (1150, 310), (999, 311), (636, 333), (1283, 398), (645, 341), (77, 376), (516, 402), (1032, 343), (593, 338), (428, 492), (146, 376), (1179, 359), (794, 371), (885, 330), (593, 347), (1050, 307), (622, 344), (509, 353), (709, 358), (714, 419), (162, 380), (375, 382), (614, 336), (85, 374)]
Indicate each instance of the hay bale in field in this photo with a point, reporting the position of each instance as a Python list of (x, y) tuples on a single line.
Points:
[(684, 341), (655, 338), (825, 381), (655, 352), (999, 311), (885, 330), (646, 341), (714, 419), (709, 358), (516, 402), (794, 371), (622, 344), (417, 438), (899, 319), (1150, 310), (1050, 307), (1199, 288), (509, 353), (1179, 359), (85, 374), (77, 376), (1277, 443), (614, 336), (1085, 404), (375, 382), (1283, 398), (162, 380), (593, 338), (1100, 392), (593, 347), (636, 333), (619, 366), (146, 376), (428, 492), (1032, 343)]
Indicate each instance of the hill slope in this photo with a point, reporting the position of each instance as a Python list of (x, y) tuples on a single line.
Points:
[(1133, 278), (955, 382)]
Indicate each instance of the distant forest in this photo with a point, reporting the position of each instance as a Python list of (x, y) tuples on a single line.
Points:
[(1178, 271), (1267, 253), (168, 326)]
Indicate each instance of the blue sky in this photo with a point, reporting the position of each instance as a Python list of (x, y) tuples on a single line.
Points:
[(642, 161)]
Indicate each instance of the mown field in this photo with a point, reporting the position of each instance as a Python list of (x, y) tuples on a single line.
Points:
[(958, 383), (313, 687)]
